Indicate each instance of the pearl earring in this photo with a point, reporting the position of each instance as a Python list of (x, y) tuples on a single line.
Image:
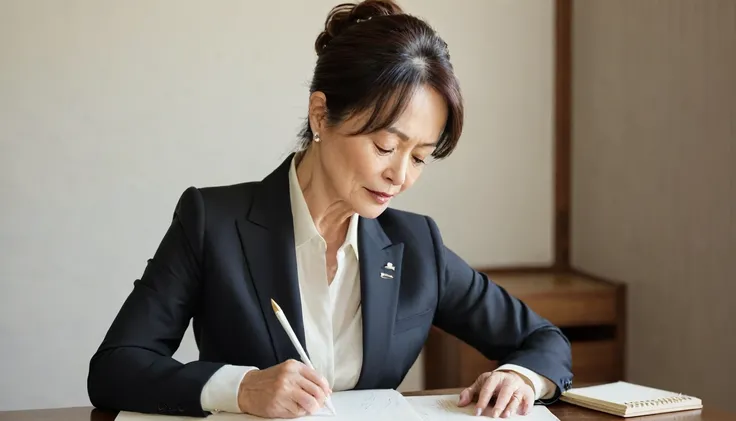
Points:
[(316, 137)]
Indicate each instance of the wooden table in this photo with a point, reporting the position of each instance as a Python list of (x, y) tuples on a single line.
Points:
[(563, 411)]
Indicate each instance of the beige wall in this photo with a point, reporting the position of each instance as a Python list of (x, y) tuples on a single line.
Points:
[(654, 181), (109, 110)]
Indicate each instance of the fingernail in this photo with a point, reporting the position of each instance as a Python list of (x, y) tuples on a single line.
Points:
[(478, 411), (495, 413)]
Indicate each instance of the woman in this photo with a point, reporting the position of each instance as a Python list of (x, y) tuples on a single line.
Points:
[(360, 283)]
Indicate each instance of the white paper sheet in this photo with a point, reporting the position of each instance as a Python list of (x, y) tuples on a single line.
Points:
[(444, 408), (354, 405)]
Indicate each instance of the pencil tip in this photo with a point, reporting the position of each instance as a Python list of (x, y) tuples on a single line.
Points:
[(275, 306)]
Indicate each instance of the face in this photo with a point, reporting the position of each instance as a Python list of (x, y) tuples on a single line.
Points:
[(366, 171)]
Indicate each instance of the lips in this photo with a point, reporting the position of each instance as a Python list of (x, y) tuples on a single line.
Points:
[(380, 197), (378, 193)]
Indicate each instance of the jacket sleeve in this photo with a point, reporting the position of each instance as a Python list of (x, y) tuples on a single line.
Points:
[(501, 327), (133, 369)]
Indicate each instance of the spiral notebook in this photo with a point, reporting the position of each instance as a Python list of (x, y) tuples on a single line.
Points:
[(629, 400)]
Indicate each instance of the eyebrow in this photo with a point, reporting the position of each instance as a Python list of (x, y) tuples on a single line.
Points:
[(405, 137)]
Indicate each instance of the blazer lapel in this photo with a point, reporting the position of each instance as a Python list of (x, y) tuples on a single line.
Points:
[(380, 277), (267, 239)]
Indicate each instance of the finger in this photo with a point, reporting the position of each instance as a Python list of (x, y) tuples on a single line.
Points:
[(486, 392), (502, 399), (527, 403), (293, 366), (313, 389), (290, 409), (467, 394), (306, 401), (513, 406), (315, 378)]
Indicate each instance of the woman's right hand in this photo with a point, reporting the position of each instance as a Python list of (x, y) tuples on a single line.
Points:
[(288, 390)]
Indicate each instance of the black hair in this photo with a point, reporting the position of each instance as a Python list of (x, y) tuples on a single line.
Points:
[(372, 56)]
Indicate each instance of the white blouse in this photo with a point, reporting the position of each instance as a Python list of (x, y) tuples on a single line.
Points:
[(333, 321)]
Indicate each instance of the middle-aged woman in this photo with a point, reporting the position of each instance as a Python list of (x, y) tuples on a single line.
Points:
[(360, 283)]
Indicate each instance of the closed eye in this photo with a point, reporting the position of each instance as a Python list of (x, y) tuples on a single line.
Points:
[(383, 151)]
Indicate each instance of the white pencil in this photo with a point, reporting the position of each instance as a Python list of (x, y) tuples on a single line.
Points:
[(292, 336)]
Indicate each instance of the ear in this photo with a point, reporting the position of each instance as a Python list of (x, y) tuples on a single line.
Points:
[(318, 112)]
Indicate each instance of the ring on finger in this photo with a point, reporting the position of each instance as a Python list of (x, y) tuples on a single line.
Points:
[(514, 404)]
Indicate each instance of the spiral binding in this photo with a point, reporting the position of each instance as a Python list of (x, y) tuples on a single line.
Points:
[(658, 402)]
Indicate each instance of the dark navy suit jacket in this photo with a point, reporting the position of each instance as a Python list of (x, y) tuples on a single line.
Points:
[(230, 250)]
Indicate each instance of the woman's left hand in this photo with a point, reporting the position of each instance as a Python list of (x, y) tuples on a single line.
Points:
[(513, 394)]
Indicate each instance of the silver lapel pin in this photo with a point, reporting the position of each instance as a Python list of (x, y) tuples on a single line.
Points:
[(386, 276), (389, 266)]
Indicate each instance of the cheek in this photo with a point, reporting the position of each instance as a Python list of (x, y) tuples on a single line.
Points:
[(366, 173), (352, 170), (366, 166), (339, 160)]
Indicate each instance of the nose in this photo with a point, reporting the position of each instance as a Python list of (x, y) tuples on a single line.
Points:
[(396, 172)]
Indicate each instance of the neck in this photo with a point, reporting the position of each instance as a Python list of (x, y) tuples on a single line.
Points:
[(331, 215)]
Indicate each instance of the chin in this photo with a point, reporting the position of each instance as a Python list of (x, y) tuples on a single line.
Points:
[(369, 206), (370, 210)]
